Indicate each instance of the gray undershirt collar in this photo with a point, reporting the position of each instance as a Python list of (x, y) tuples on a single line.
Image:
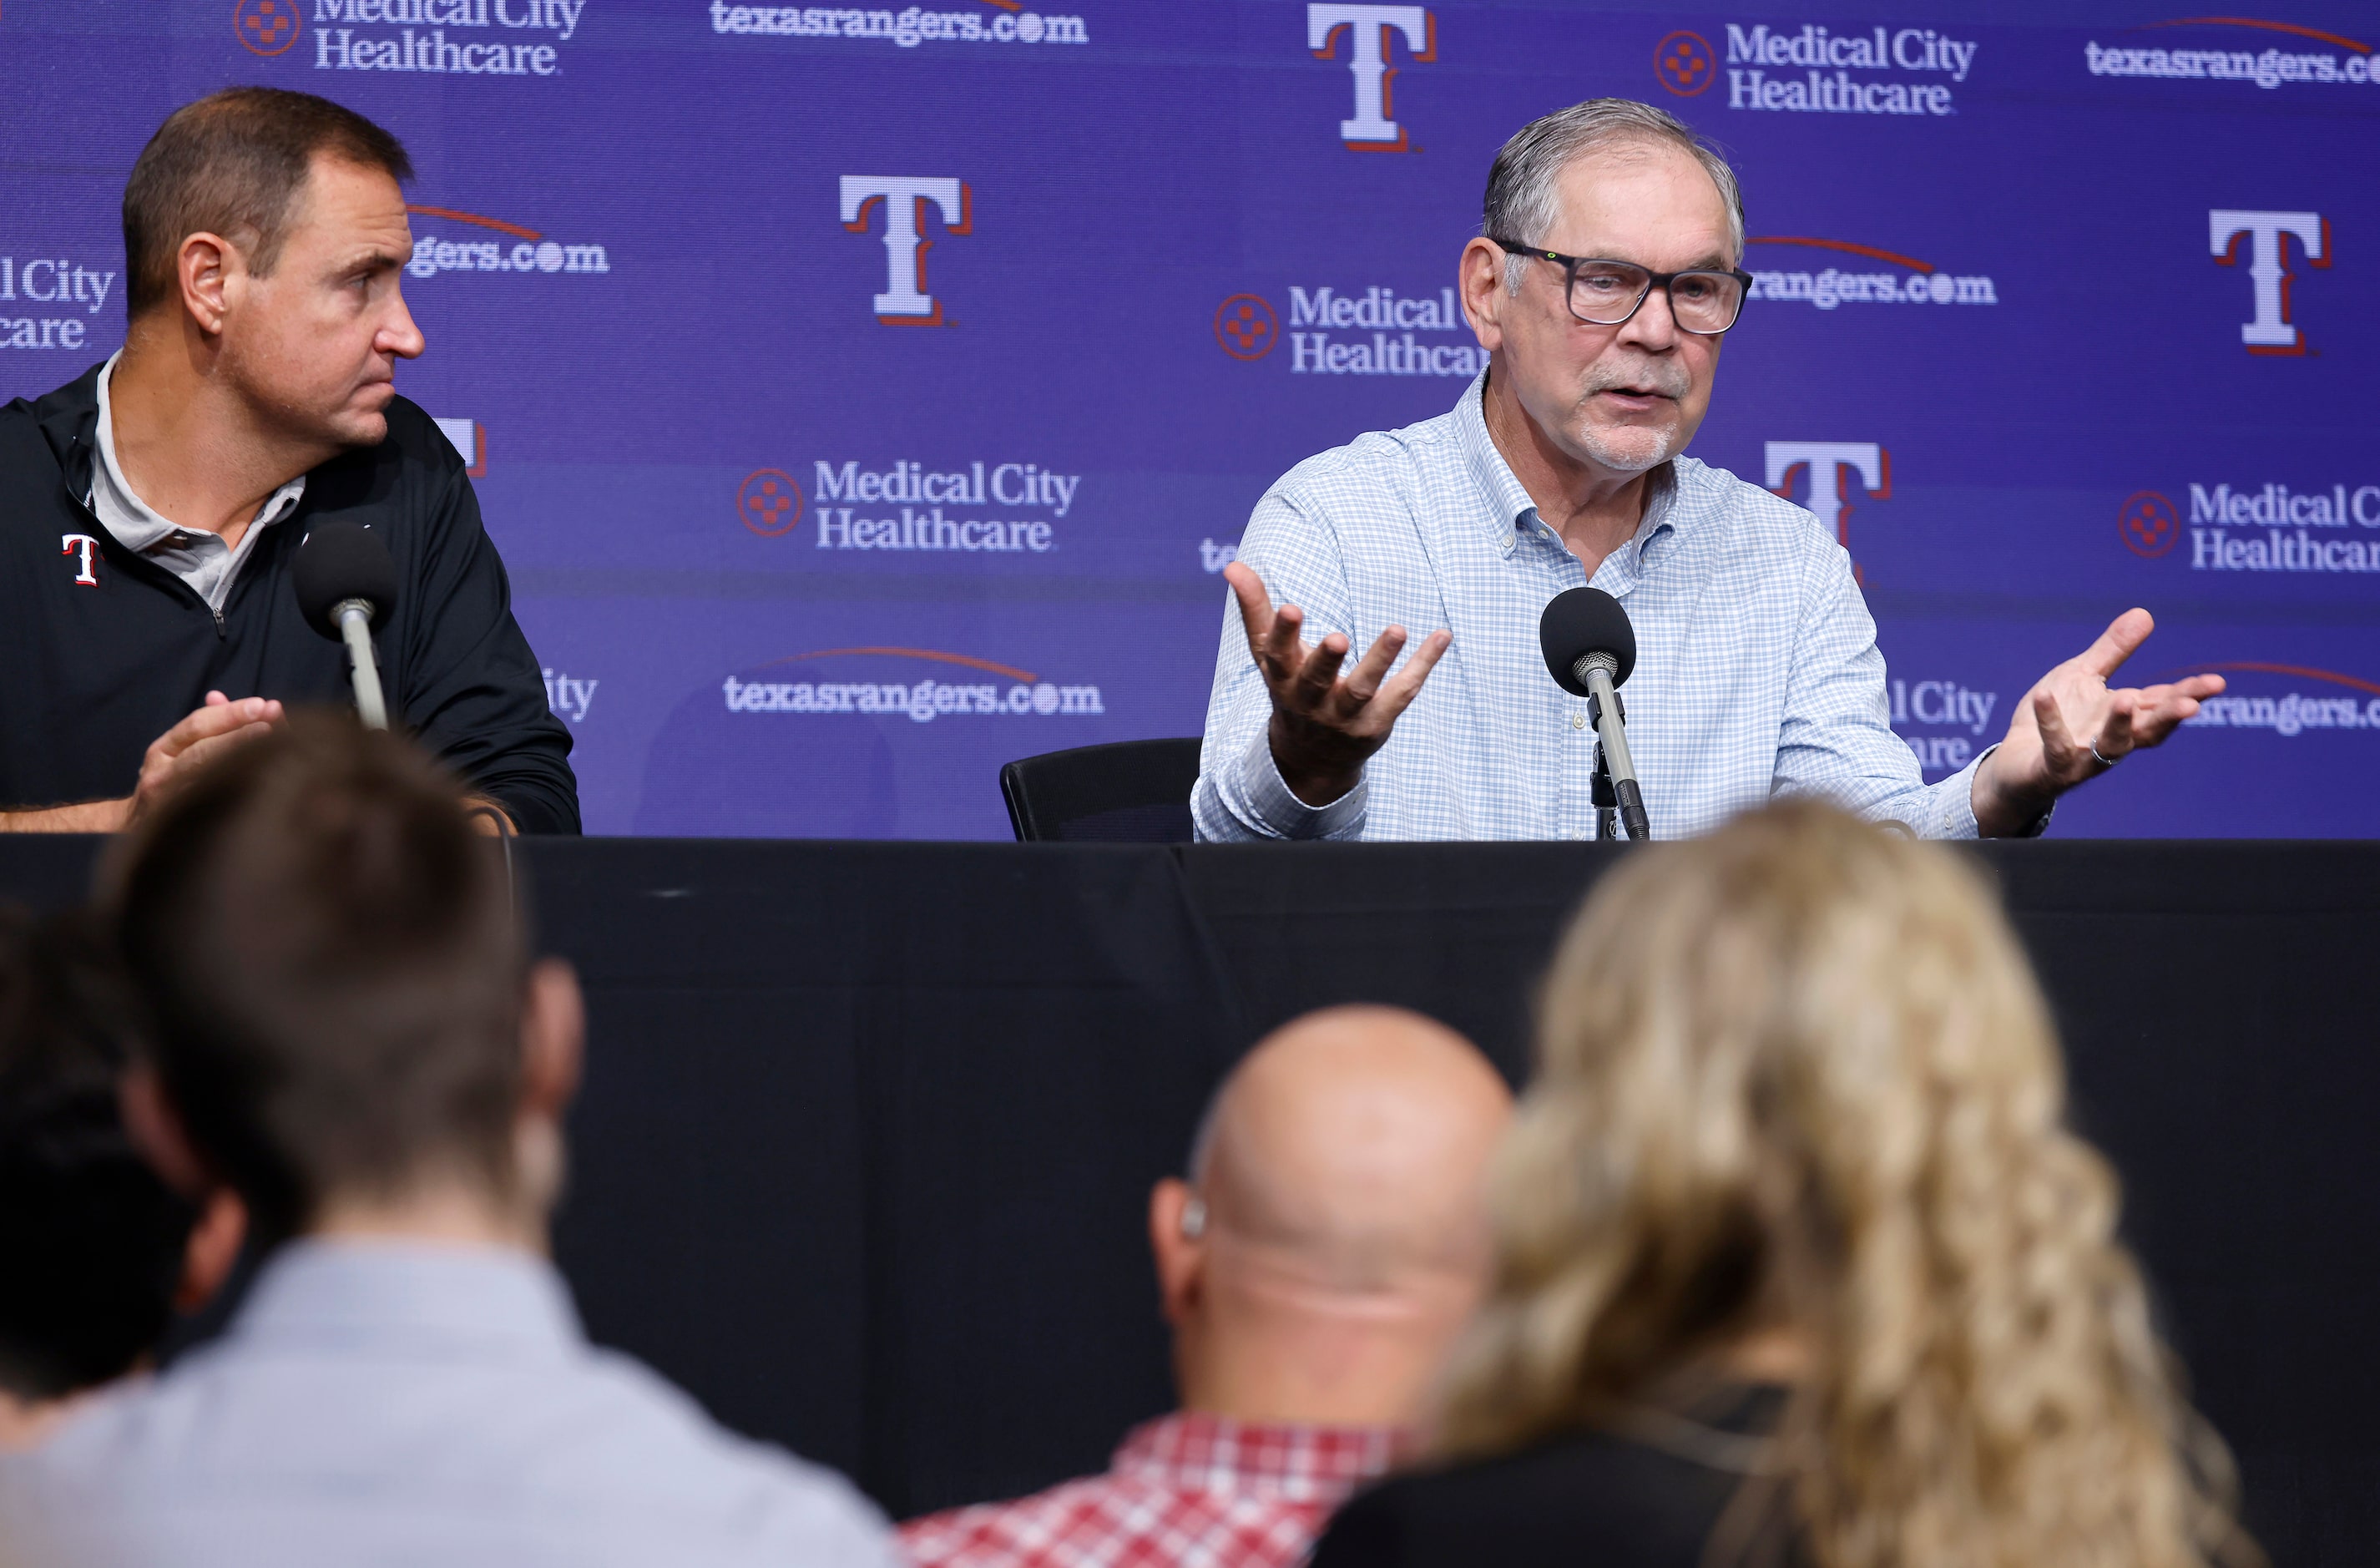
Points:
[(199, 559)]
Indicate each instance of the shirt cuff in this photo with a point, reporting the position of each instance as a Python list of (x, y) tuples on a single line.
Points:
[(1278, 811), (1963, 824)]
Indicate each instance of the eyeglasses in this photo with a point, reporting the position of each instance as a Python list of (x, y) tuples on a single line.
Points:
[(1604, 294)]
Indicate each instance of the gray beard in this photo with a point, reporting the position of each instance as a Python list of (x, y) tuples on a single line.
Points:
[(1660, 377), (1633, 462)]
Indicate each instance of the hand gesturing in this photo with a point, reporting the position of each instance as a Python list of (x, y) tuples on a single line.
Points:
[(2070, 727), (1324, 726)]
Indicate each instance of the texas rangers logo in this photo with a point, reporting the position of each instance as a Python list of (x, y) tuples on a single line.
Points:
[(904, 301), (1368, 28), (81, 544), (1826, 461), (2267, 233)]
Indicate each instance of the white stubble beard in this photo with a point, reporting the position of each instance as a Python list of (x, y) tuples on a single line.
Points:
[(1597, 440)]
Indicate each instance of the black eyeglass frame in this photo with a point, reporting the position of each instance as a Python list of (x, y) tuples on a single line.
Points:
[(1571, 264)]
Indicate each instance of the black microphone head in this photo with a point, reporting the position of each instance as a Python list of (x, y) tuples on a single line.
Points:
[(1582, 621), (336, 562)]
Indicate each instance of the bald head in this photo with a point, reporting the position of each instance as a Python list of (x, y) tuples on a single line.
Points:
[(1334, 1230), (1354, 1139)]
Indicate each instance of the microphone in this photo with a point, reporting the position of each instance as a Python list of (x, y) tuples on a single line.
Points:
[(1591, 648), (347, 586)]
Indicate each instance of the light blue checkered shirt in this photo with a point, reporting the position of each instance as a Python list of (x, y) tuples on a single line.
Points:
[(1757, 672)]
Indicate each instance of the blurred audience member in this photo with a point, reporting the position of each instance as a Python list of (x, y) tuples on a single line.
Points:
[(1796, 1257), (97, 1251), (1330, 1241), (347, 1030)]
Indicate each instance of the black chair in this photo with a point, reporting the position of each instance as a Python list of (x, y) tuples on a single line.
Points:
[(1130, 792)]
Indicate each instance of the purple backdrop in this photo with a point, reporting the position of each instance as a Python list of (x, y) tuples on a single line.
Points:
[(863, 398)]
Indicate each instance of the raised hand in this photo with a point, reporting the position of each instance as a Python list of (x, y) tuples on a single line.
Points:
[(2072, 726), (1324, 725)]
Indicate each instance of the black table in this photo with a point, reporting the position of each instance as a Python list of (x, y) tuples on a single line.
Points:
[(867, 1128)]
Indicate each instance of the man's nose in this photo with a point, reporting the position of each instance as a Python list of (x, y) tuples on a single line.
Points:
[(1652, 328), (400, 336)]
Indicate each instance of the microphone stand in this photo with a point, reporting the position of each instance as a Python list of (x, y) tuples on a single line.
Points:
[(1599, 790), (1594, 672), (355, 616)]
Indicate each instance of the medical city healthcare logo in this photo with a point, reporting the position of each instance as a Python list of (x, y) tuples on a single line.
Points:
[(904, 201), (2264, 237), (2148, 523), (1919, 282), (1005, 21), (1685, 63), (2267, 527), (2282, 61), (1912, 70), (1371, 34), (266, 27), (1370, 331), (770, 501), (1024, 695), (517, 248), (939, 511), (1247, 327), (487, 36), (61, 295)]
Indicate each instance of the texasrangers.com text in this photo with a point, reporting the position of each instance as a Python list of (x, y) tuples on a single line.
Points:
[(923, 702), (907, 29)]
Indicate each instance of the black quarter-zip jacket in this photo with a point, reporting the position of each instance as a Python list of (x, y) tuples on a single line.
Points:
[(93, 672)]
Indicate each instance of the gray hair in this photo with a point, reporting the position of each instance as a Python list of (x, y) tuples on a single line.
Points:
[(1522, 203)]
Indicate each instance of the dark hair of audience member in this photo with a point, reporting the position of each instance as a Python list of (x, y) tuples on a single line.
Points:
[(91, 1241), (233, 165), (334, 966)]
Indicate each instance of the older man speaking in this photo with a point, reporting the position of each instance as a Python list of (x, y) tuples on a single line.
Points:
[(1604, 281)]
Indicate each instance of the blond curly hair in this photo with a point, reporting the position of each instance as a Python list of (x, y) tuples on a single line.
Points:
[(1797, 1074)]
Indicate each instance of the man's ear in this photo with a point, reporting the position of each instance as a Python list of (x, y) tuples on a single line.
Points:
[(205, 265), (213, 1248), (1482, 290), (155, 1129), (553, 1038), (1178, 1245)]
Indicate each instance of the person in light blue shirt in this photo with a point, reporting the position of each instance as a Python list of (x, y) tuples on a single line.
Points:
[(1602, 285), (347, 1031)]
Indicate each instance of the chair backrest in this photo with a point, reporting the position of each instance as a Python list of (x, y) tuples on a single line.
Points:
[(1130, 792)]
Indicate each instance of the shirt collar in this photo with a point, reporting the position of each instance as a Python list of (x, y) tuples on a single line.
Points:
[(1191, 1451), (1509, 507), (449, 1302), (136, 525)]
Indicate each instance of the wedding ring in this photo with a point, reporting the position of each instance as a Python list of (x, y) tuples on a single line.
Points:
[(2104, 761)]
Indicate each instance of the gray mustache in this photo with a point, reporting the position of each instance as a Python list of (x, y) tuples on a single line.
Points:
[(1667, 380)]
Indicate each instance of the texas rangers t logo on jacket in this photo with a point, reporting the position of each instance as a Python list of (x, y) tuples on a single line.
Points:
[(84, 544)]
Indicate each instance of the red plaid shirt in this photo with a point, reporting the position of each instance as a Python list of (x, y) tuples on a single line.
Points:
[(1184, 1491)]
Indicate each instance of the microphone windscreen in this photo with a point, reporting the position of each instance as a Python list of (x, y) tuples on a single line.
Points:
[(338, 561), (1582, 621)]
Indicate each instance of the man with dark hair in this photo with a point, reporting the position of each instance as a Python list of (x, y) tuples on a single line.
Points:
[(150, 511), (348, 1030), (98, 1252)]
